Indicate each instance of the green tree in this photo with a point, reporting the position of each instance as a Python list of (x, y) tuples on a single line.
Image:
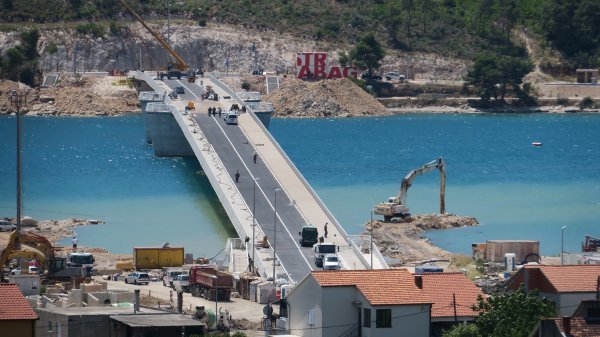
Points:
[(463, 330), (493, 75), (343, 58), (367, 53), (513, 314), (52, 48), (29, 41)]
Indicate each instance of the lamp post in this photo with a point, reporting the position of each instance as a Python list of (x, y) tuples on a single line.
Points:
[(18, 100), (562, 243), (371, 248), (214, 277), (254, 223), (275, 232)]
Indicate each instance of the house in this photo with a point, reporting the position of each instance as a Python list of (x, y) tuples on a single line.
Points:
[(17, 318), (116, 322), (453, 296), (365, 303), (565, 285), (585, 322), (587, 75)]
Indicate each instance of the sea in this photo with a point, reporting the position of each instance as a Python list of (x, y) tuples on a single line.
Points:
[(101, 168)]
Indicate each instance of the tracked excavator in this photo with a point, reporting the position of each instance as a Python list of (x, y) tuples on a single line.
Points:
[(176, 68), (395, 207)]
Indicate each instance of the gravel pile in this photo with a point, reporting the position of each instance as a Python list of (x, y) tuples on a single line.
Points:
[(327, 98)]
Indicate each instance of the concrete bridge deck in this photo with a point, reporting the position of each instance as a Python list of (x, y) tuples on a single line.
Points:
[(272, 183)]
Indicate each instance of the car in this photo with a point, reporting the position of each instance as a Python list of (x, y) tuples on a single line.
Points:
[(180, 90), (331, 262), (373, 77), (137, 278), (182, 281), (170, 276), (6, 226), (394, 76)]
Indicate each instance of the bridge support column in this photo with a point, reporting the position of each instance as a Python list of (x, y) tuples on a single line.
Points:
[(145, 98), (167, 137)]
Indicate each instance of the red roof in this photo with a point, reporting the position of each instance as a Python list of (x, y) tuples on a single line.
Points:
[(579, 327), (441, 286), (379, 286), (13, 305), (559, 279)]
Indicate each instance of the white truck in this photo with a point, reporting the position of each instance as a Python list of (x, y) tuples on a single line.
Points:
[(170, 276), (321, 249)]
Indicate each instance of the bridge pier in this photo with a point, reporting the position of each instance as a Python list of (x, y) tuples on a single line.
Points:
[(166, 135), (145, 98)]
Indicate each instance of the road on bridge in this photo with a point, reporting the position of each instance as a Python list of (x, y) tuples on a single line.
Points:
[(237, 154)]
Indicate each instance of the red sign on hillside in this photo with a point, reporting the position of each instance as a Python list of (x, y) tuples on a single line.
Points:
[(312, 65)]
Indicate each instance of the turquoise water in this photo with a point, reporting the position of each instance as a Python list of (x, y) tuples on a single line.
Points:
[(101, 168)]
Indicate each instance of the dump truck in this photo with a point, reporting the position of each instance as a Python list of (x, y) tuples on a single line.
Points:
[(321, 249), (157, 257), (208, 282)]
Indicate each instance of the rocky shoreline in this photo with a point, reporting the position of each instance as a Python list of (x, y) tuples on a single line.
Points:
[(401, 240)]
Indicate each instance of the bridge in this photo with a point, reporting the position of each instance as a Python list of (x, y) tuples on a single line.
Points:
[(271, 198)]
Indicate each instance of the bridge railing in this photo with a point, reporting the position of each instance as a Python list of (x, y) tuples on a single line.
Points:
[(358, 243)]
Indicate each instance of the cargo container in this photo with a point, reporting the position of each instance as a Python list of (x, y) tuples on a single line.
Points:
[(157, 257)]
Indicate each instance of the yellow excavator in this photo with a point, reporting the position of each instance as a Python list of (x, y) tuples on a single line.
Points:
[(395, 206), (176, 69)]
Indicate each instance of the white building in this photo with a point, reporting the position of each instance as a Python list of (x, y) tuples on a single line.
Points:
[(353, 303)]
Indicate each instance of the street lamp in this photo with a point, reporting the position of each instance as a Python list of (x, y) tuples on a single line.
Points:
[(275, 232), (18, 100), (214, 277), (254, 223), (371, 249), (562, 243)]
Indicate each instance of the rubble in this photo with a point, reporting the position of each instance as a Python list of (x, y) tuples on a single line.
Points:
[(325, 98)]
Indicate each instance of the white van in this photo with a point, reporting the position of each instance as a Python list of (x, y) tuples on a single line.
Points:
[(231, 117)]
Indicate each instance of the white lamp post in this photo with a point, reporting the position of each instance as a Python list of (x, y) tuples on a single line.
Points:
[(275, 232), (254, 224), (371, 248), (562, 243)]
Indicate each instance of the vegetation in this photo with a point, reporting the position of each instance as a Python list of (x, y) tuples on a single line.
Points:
[(20, 62), (510, 315), (91, 28), (367, 53), (462, 28)]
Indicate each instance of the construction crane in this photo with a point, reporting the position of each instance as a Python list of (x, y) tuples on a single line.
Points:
[(180, 65), (395, 206)]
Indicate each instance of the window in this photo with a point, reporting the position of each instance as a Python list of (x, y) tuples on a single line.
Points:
[(366, 318), (384, 318)]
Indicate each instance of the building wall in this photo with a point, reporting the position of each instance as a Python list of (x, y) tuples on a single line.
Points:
[(305, 296), (73, 325), (21, 328), (407, 321), (339, 313), (567, 303)]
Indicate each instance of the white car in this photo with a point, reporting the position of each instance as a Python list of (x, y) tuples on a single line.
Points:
[(394, 76), (182, 281), (331, 262), (6, 226), (170, 276)]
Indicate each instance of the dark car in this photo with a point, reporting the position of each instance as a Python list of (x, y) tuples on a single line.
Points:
[(180, 90), (137, 278), (373, 77)]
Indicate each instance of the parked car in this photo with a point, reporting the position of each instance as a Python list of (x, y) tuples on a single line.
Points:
[(373, 77), (331, 262), (6, 226), (182, 281), (170, 276), (137, 278), (180, 90), (394, 76)]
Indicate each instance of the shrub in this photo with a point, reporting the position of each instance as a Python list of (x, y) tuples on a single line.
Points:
[(562, 101), (586, 103), (114, 28), (94, 29), (245, 85)]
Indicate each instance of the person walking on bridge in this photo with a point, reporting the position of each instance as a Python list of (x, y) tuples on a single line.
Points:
[(325, 229), (254, 157), (237, 176)]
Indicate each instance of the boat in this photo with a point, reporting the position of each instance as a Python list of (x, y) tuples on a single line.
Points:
[(537, 144)]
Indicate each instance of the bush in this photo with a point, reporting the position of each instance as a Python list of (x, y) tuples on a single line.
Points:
[(562, 101), (586, 103), (94, 29), (245, 85), (114, 28)]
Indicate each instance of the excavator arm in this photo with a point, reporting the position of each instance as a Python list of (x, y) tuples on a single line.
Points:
[(179, 62), (407, 181)]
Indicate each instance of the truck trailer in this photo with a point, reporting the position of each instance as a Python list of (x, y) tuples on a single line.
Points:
[(208, 282)]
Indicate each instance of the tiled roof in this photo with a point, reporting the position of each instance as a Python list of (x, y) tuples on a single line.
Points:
[(559, 279), (13, 305), (379, 286), (441, 286), (579, 327)]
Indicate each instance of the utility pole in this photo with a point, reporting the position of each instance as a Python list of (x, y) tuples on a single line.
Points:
[(454, 304), (275, 233), (371, 247), (169, 22), (18, 100)]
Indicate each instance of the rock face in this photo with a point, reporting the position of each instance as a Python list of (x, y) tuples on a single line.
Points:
[(325, 98), (401, 241)]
